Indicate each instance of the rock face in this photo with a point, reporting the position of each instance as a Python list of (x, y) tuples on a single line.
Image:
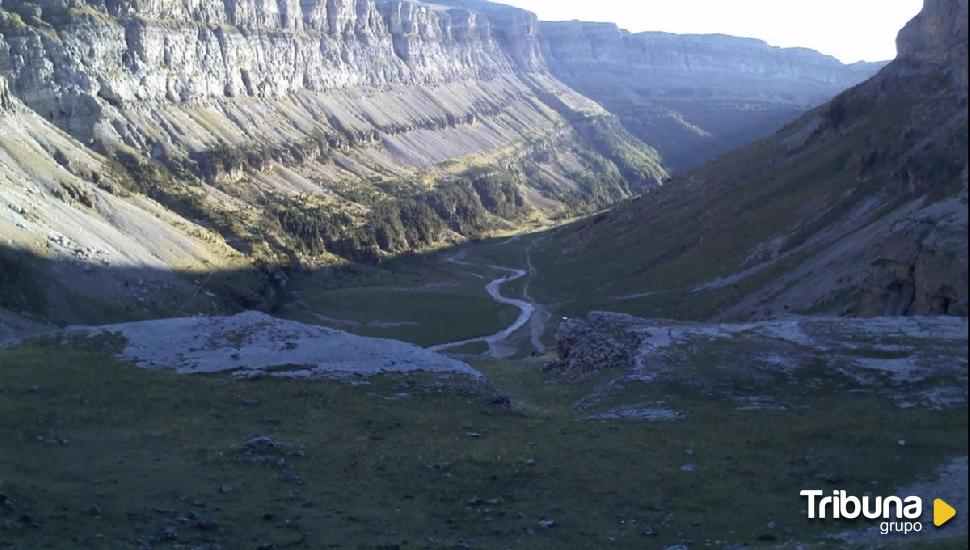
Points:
[(937, 35), (921, 265), (694, 96), (290, 133), (857, 208), (275, 99), (4, 95), (182, 52)]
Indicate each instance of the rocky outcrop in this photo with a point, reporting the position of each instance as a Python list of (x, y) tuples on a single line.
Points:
[(694, 96), (584, 346), (516, 29), (920, 264), (254, 344), (5, 103), (914, 361)]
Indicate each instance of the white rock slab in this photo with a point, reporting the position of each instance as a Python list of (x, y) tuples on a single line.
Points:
[(254, 343)]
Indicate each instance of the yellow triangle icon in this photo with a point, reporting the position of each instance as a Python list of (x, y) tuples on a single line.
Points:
[(942, 512)]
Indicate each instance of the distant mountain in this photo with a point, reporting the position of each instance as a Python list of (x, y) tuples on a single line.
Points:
[(857, 208), (693, 97)]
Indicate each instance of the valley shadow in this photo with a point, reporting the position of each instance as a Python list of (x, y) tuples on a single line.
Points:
[(62, 289)]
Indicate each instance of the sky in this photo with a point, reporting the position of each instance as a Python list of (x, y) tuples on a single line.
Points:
[(851, 30)]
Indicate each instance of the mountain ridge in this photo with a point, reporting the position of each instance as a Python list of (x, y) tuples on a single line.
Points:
[(694, 96)]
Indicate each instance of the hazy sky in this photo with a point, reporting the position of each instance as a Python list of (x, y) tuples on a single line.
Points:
[(851, 30)]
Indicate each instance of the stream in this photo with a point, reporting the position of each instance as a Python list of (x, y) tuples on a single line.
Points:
[(496, 349)]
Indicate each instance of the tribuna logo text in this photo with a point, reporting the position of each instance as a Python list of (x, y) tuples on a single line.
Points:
[(898, 514)]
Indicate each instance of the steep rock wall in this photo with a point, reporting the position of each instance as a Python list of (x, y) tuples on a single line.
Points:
[(320, 130), (694, 96)]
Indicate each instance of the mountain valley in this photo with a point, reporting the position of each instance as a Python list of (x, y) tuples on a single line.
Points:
[(401, 273)]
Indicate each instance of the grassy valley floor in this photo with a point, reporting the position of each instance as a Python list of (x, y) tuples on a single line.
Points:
[(98, 453), (425, 300)]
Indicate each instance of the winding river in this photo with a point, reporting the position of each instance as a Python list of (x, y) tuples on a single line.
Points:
[(494, 289)]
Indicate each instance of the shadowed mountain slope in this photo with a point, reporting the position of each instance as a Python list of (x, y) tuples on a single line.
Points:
[(859, 207)]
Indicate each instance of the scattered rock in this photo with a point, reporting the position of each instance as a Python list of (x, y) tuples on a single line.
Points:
[(501, 402), (170, 534), (204, 524), (29, 520), (262, 443), (916, 361), (547, 523)]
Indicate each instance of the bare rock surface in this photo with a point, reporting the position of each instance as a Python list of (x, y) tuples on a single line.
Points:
[(4, 94), (915, 361), (253, 343), (938, 34)]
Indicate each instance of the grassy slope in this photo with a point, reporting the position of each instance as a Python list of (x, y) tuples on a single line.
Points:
[(644, 256), (92, 450)]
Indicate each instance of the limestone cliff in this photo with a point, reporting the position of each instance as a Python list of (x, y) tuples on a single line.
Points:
[(356, 104), (292, 132), (694, 96), (937, 35)]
